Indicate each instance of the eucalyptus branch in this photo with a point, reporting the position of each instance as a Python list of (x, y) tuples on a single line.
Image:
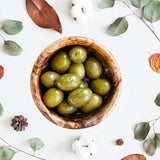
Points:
[(19, 150), (141, 18)]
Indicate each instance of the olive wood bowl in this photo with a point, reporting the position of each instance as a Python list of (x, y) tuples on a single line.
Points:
[(86, 120)]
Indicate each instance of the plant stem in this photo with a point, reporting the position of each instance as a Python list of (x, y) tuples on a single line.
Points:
[(141, 18), (2, 37), (19, 150), (129, 14), (154, 122)]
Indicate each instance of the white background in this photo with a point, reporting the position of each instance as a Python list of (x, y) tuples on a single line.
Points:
[(140, 83)]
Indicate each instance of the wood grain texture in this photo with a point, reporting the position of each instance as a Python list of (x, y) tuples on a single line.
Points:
[(105, 57)]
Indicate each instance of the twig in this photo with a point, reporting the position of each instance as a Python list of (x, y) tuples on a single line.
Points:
[(2, 37), (129, 15), (154, 122), (141, 18), (152, 27), (19, 150)]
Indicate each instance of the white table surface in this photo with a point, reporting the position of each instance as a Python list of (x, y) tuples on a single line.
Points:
[(136, 104)]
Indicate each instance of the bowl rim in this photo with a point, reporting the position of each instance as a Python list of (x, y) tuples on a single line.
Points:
[(34, 83)]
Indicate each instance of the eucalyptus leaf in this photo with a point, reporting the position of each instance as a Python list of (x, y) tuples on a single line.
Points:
[(12, 48), (1, 110), (118, 27), (152, 11), (106, 4), (6, 153), (141, 131), (36, 144), (157, 138), (12, 27), (139, 3), (157, 100), (150, 146)]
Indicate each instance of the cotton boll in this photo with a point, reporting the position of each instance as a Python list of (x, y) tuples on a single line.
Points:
[(83, 153), (76, 11), (82, 19), (92, 148), (85, 140), (78, 2), (84, 147), (76, 145), (88, 3), (88, 12), (82, 10)]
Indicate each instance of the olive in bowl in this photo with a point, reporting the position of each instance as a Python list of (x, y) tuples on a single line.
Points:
[(82, 104)]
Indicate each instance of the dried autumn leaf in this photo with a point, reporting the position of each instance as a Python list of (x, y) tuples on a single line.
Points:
[(154, 61), (43, 14), (135, 157), (1, 71)]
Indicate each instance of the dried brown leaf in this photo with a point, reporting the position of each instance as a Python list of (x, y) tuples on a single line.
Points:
[(154, 61), (1, 71), (134, 157), (43, 14)]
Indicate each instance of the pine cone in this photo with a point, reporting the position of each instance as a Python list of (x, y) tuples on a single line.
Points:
[(19, 123)]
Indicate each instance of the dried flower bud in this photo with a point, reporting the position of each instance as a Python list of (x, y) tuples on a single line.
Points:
[(119, 142)]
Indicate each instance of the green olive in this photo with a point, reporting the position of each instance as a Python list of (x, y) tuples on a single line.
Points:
[(77, 69), (94, 103), (61, 62), (79, 97), (93, 68), (82, 85), (100, 86), (78, 54), (68, 82), (53, 97), (48, 78), (65, 108)]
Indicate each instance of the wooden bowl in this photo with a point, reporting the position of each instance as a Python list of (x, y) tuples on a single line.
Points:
[(84, 120)]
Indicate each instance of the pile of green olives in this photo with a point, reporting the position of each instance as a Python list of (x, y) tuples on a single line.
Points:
[(66, 88)]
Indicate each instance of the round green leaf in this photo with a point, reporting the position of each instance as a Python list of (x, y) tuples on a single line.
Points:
[(12, 48), (157, 138), (152, 11), (157, 100), (150, 146), (106, 4), (139, 3), (6, 153), (36, 143), (1, 110), (12, 27), (118, 27), (141, 131)]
